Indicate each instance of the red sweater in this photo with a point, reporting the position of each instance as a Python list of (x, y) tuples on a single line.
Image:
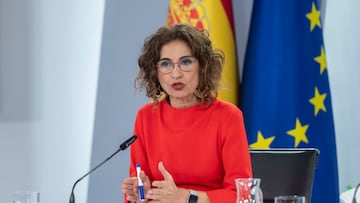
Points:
[(203, 149)]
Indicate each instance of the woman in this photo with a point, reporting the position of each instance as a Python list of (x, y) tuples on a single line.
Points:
[(191, 146)]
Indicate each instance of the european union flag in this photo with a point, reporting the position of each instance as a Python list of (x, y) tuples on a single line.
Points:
[(285, 94)]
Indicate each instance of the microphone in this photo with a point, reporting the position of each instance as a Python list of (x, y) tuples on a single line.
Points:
[(123, 146)]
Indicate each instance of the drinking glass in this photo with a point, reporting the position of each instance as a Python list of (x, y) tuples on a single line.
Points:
[(289, 199), (26, 197), (248, 190)]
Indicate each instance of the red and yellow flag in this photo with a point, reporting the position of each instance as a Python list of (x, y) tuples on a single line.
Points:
[(215, 16)]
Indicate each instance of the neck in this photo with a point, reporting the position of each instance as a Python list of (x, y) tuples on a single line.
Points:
[(184, 102)]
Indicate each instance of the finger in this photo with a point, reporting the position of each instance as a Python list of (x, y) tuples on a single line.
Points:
[(154, 194), (131, 198), (134, 196), (128, 185), (155, 191), (130, 188), (145, 180), (126, 188), (164, 172), (129, 180), (144, 177), (158, 184)]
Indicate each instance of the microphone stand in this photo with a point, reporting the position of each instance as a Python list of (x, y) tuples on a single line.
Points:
[(355, 191), (123, 146)]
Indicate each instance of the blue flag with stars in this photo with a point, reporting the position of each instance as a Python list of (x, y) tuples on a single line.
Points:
[(285, 94)]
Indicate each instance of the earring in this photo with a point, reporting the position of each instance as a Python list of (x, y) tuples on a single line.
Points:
[(198, 94), (201, 94), (160, 94)]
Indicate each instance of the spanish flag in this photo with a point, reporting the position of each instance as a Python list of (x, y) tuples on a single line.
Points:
[(215, 16)]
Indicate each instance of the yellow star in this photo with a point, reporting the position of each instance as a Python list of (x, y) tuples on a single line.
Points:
[(321, 60), (314, 17), (261, 142), (318, 101), (299, 133)]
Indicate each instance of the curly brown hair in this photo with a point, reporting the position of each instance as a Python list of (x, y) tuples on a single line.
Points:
[(211, 61)]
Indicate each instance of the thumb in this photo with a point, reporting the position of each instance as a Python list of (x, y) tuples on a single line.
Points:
[(145, 179), (164, 172)]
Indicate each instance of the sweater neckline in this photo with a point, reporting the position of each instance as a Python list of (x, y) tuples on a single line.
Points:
[(196, 107)]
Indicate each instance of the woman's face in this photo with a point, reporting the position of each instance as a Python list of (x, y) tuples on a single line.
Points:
[(178, 73)]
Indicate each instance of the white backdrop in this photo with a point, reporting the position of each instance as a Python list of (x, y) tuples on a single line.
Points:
[(66, 97), (342, 43), (49, 59)]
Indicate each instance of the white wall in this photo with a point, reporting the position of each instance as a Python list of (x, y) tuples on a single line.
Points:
[(126, 24), (49, 57), (342, 42)]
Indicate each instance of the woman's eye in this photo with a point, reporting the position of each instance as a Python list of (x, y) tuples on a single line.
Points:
[(165, 64), (186, 61)]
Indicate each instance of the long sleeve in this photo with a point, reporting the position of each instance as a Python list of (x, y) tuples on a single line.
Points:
[(235, 158)]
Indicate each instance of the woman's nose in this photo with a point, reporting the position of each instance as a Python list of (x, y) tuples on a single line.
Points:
[(176, 72)]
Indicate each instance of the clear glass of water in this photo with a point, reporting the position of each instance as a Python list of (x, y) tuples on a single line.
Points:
[(248, 190), (290, 199)]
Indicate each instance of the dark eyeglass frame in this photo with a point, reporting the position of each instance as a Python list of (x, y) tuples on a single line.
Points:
[(185, 64)]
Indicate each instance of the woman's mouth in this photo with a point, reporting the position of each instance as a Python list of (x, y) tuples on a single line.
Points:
[(178, 86)]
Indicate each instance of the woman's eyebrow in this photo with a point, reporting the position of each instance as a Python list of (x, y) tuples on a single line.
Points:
[(165, 58)]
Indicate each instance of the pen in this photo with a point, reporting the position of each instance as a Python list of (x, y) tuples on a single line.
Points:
[(140, 184)]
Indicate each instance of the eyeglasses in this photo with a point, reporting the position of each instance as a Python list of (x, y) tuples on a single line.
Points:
[(185, 64)]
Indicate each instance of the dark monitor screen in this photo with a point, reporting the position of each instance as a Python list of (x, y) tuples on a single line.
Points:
[(284, 171)]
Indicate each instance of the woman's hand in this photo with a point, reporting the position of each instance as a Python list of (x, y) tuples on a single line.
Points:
[(130, 187), (166, 191)]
